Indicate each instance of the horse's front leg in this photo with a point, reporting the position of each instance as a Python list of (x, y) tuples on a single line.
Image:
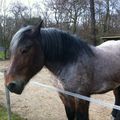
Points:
[(116, 113), (69, 104), (82, 110)]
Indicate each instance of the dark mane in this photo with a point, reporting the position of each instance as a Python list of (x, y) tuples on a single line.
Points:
[(61, 46)]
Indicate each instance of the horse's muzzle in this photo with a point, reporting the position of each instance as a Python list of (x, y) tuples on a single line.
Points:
[(15, 88), (14, 84)]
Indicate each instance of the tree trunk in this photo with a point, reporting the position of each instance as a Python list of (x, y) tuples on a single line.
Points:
[(93, 22), (107, 17), (74, 25)]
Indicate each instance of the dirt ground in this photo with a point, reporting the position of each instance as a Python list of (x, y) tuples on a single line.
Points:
[(37, 103)]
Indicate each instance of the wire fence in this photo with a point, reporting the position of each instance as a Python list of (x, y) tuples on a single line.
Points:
[(51, 88)]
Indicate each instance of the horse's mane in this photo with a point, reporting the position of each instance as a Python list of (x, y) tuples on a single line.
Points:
[(63, 47)]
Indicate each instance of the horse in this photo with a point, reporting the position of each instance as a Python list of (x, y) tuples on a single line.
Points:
[(78, 66)]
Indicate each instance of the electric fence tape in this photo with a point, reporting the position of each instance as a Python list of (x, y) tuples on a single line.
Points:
[(92, 100)]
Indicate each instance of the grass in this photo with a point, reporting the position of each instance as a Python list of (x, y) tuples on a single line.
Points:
[(4, 115), (2, 55)]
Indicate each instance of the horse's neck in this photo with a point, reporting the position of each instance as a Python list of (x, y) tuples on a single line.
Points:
[(55, 67), (83, 64)]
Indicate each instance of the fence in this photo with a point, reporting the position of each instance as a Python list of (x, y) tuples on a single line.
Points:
[(51, 88), (110, 38)]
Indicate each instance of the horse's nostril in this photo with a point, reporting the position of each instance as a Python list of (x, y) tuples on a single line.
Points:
[(15, 87), (12, 87)]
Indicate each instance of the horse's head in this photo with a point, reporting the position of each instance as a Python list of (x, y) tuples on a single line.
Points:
[(24, 60)]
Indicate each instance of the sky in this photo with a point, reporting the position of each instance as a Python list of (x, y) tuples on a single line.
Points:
[(26, 2), (6, 3)]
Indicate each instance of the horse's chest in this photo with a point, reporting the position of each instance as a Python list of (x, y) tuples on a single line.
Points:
[(74, 78)]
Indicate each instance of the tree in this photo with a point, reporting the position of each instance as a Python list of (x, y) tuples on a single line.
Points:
[(68, 12), (107, 16), (89, 19), (20, 13), (93, 22)]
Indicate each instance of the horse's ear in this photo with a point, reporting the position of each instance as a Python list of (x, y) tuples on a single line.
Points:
[(36, 30), (41, 24)]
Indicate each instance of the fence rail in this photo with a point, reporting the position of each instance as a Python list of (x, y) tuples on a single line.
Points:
[(110, 38), (91, 100)]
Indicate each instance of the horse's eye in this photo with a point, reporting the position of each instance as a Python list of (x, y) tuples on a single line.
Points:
[(25, 49)]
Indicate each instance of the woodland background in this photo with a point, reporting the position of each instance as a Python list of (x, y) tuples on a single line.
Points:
[(89, 19)]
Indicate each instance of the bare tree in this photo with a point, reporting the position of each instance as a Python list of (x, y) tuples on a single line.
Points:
[(93, 22), (68, 12), (107, 16), (20, 13), (42, 13), (70, 15)]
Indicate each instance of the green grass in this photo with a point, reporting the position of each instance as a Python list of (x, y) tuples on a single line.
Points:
[(4, 115), (2, 55)]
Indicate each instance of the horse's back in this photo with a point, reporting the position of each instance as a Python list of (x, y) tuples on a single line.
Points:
[(110, 46), (109, 52)]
